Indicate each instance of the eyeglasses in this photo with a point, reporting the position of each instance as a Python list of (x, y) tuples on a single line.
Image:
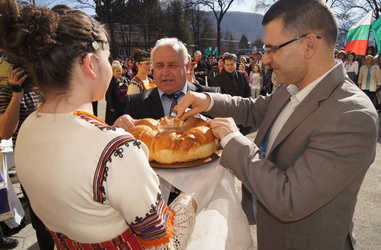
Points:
[(146, 62), (272, 51)]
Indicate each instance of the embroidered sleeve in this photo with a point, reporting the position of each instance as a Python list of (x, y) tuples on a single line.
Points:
[(131, 186)]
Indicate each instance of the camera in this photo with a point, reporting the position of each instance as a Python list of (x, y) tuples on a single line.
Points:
[(27, 84)]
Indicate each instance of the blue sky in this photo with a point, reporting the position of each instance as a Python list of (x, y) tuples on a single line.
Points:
[(237, 5)]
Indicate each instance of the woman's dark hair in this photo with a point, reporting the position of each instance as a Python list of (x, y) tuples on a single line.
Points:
[(352, 53), (373, 50), (140, 55), (48, 41)]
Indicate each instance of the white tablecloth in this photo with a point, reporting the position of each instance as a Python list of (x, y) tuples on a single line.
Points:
[(220, 220), (7, 162)]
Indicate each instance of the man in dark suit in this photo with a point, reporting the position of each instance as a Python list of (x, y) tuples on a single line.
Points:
[(317, 134), (170, 65), (231, 81)]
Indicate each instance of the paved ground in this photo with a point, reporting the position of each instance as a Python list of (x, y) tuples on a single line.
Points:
[(367, 215)]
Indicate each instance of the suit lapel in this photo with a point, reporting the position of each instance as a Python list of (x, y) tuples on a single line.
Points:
[(153, 102), (278, 101), (321, 92)]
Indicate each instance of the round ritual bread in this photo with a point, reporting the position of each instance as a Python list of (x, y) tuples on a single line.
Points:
[(172, 140)]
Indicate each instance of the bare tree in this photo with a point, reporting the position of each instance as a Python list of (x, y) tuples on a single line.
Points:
[(347, 12), (219, 8)]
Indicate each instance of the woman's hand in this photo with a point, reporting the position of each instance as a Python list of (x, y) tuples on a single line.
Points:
[(14, 76)]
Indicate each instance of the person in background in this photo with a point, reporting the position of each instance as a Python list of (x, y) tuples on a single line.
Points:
[(317, 134), (210, 63), (233, 82), (125, 71), (200, 70), (369, 79), (342, 56), (352, 66), (190, 74), (335, 53), (116, 95), (266, 87), (106, 196), (242, 69), (256, 81), (371, 51), (216, 70), (141, 82), (258, 59), (243, 60), (378, 60), (18, 99)]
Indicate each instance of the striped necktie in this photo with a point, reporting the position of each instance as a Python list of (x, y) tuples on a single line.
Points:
[(173, 98)]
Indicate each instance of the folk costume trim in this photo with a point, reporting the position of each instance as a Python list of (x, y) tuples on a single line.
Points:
[(127, 240), (91, 119), (156, 229), (112, 148)]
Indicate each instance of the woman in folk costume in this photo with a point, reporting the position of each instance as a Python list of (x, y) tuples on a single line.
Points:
[(141, 81), (91, 184)]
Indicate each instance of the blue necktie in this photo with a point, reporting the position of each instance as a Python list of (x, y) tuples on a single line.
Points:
[(173, 98), (263, 146)]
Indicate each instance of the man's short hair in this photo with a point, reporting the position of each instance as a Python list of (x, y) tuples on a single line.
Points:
[(305, 17), (230, 57), (175, 43)]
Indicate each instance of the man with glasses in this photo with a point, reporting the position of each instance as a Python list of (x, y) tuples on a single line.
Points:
[(316, 139)]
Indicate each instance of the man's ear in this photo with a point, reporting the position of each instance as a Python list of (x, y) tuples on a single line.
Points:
[(188, 65), (88, 65), (311, 45)]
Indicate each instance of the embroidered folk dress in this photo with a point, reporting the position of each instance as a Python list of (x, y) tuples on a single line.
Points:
[(91, 183), (137, 86)]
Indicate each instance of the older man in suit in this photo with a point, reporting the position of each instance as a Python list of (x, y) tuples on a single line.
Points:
[(317, 134), (170, 65)]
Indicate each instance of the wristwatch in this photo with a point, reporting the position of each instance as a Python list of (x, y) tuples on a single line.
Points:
[(15, 87)]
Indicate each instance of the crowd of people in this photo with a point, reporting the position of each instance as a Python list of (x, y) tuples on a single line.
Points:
[(317, 131), (364, 71)]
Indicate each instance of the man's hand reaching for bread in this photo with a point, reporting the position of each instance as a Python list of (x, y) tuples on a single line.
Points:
[(221, 127), (125, 121), (199, 102)]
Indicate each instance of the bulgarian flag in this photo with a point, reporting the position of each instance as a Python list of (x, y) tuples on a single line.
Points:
[(358, 35), (376, 30)]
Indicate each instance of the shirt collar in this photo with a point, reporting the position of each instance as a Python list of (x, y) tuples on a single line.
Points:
[(184, 91), (297, 96)]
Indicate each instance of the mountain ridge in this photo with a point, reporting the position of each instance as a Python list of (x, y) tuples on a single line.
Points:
[(240, 23)]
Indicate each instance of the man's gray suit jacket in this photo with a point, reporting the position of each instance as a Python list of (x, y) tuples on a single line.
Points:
[(307, 186)]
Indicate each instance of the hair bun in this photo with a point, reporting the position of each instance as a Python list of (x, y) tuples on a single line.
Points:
[(29, 33)]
